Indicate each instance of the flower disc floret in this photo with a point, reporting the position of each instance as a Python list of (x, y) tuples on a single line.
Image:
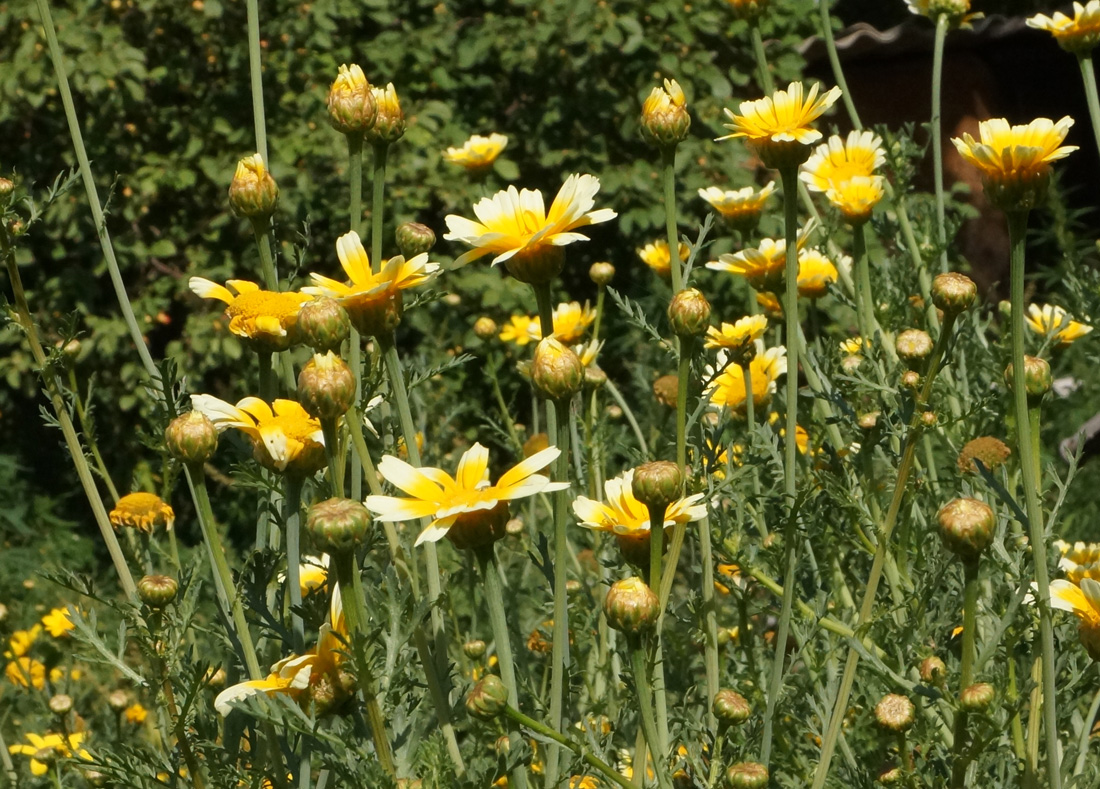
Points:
[(478, 153), (285, 438), (265, 319), (1078, 34), (778, 127)]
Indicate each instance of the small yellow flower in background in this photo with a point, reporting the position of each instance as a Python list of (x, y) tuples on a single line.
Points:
[(1079, 560), (801, 438), (372, 300), (763, 266), (26, 672), (22, 640), (446, 500), (571, 321), (145, 512), (1083, 602), (478, 153), (1052, 321), (588, 352), (264, 318), (749, 10), (63, 746), (1015, 160), (741, 207), (313, 574), (778, 127), (583, 782), (1078, 34), (521, 329), (58, 623), (854, 346), (135, 714), (514, 226), (735, 336), (656, 256), (665, 119), (769, 302), (815, 274), (957, 11), (284, 437), (727, 389)]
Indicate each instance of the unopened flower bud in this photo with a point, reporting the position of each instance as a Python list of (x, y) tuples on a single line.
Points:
[(118, 700), (475, 650), (95, 778), (71, 349), (389, 122), (869, 420), (253, 192), (351, 107), (894, 712), (326, 386), (989, 451), (747, 775), (7, 189), (913, 345), (657, 484), (749, 10), (61, 704), (933, 671), (488, 698), (191, 438), (323, 324), (594, 377), (665, 390), (485, 328), (3, 613), (631, 607), (929, 419), (890, 775), (689, 313), (157, 591), (665, 119), (977, 697), (953, 293), (730, 707), (601, 274), (337, 525), (1037, 377), (967, 527), (16, 227), (413, 239), (556, 370), (910, 379)]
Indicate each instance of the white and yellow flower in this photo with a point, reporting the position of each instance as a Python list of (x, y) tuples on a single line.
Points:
[(1079, 33), (1052, 321), (285, 438), (478, 153)]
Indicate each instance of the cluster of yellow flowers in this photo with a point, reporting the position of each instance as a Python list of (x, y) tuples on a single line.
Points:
[(26, 671)]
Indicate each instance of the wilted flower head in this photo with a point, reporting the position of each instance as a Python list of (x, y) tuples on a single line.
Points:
[(1078, 34), (1052, 321), (142, 511), (778, 127), (265, 319), (478, 153), (656, 256), (284, 437), (741, 207)]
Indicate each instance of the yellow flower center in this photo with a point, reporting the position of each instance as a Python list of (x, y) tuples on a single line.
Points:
[(142, 511)]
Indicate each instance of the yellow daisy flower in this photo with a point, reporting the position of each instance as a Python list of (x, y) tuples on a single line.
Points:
[(857, 197), (770, 304), (815, 274), (64, 746), (266, 319), (763, 266), (373, 301), (1083, 602), (58, 622), (26, 672), (21, 641), (478, 153), (514, 226), (741, 207), (727, 389), (1052, 321), (956, 11), (1079, 560), (737, 335), (840, 158), (135, 714), (1079, 33), (656, 256), (142, 511), (463, 505), (1015, 160), (521, 329), (571, 320), (778, 127), (853, 346), (284, 437)]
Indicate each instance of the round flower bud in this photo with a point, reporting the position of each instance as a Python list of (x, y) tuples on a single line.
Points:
[(389, 122), (747, 775), (665, 120), (61, 705), (95, 778), (253, 192), (631, 607), (601, 274), (894, 712), (7, 188), (665, 390), (481, 528), (910, 379), (556, 370), (16, 227), (485, 328), (488, 698), (337, 525), (1037, 377), (351, 107), (118, 700), (474, 650), (869, 420), (967, 527), (657, 484), (323, 324), (990, 452), (689, 313), (977, 697), (929, 419), (594, 377), (890, 775), (953, 293), (537, 264), (913, 345), (191, 438), (730, 707), (413, 239), (157, 591), (71, 350), (749, 10), (933, 671), (326, 386)]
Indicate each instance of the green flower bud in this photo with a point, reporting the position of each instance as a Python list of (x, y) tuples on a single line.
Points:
[(389, 123), (894, 712), (485, 328), (191, 438), (414, 238), (326, 386), (967, 527), (556, 370), (157, 591), (913, 345), (977, 697), (253, 192), (665, 120), (631, 607), (657, 484), (474, 650), (953, 293), (337, 525), (689, 313), (1037, 377), (933, 671), (7, 189), (323, 324), (747, 775), (730, 707), (601, 274), (61, 704), (487, 699)]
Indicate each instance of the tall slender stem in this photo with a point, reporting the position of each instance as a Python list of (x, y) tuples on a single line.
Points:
[(589, 758), (657, 583), (559, 655), (966, 671), (683, 379), (865, 300), (332, 440), (1017, 233), (834, 62), (1088, 74), (668, 176), (292, 512), (89, 438), (378, 187), (937, 136), (646, 714), (262, 230), (355, 344), (764, 71), (255, 77), (710, 621)]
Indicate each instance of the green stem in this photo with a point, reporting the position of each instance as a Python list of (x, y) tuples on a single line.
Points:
[(912, 437), (656, 582), (668, 176), (494, 597), (966, 671), (292, 514), (589, 758), (1017, 232), (256, 80), (355, 346), (93, 195), (559, 656), (600, 298), (937, 136), (1012, 696), (764, 71), (710, 623), (1088, 74), (266, 377), (346, 573), (8, 764), (834, 62), (631, 420), (262, 230), (683, 379), (179, 726), (646, 714), (865, 301), (750, 401), (378, 187), (89, 437), (332, 440), (1083, 739)]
